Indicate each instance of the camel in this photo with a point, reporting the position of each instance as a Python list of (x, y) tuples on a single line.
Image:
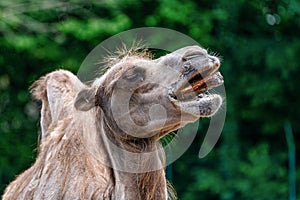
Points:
[(101, 141)]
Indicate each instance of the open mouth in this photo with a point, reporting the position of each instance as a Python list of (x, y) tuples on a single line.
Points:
[(190, 92), (195, 84)]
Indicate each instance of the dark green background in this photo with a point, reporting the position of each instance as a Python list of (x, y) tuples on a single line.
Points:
[(259, 41)]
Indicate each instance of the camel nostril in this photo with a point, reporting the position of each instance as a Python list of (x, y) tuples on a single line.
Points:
[(187, 66)]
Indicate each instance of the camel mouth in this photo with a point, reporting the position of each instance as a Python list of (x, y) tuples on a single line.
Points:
[(196, 85), (190, 93)]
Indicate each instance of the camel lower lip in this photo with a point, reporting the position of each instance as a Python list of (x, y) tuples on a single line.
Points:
[(202, 105)]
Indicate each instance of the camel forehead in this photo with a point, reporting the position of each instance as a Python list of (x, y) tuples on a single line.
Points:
[(127, 65), (134, 61)]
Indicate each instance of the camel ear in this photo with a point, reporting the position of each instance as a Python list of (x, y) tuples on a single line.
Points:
[(85, 100)]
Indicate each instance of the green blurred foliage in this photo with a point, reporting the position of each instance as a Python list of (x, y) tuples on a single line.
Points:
[(258, 41)]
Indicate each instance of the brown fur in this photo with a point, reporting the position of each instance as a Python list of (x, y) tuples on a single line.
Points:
[(76, 159), (64, 168)]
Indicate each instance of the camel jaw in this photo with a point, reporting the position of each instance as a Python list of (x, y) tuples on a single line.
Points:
[(203, 105)]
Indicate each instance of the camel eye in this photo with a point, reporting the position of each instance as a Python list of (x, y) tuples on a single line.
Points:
[(135, 74)]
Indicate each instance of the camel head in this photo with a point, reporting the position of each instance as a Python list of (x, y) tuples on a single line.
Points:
[(145, 98)]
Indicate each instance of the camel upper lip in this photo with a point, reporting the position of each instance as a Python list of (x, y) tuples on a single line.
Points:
[(193, 83)]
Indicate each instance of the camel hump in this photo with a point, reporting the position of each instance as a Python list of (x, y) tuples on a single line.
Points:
[(57, 91)]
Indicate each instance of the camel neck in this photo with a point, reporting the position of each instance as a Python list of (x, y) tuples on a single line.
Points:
[(140, 186), (137, 165)]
